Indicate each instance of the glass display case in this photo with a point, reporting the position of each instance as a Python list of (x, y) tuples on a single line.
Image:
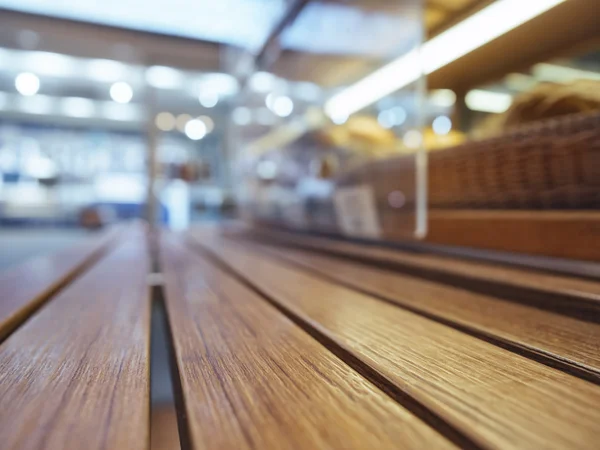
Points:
[(328, 136)]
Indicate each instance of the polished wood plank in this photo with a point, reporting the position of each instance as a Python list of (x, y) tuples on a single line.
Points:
[(251, 378), (496, 397), (76, 374), (25, 287), (561, 234), (575, 290), (570, 343)]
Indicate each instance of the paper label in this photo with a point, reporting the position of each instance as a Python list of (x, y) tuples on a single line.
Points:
[(356, 211)]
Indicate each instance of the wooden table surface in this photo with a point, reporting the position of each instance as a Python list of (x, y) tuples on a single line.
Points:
[(273, 347), (76, 374), (495, 397), (27, 286), (251, 378), (569, 343)]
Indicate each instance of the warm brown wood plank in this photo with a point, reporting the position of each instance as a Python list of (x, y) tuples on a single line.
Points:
[(496, 397), (562, 234), (564, 340), (25, 287), (76, 375), (586, 291), (251, 378)]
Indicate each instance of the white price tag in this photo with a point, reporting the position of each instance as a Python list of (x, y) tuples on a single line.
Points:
[(356, 211)]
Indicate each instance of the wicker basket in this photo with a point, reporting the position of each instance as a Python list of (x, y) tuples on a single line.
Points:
[(554, 164)]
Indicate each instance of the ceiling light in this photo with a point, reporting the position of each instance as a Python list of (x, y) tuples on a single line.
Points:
[(77, 107), (165, 121), (241, 116), (219, 83), (262, 81), (195, 129), (208, 99), (442, 125), (562, 74), (48, 63), (520, 82), (181, 122), (488, 101), (122, 112), (210, 124), (282, 106), (27, 84), (40, 104), (121, 92), (339, 118), (266, 170), (164, 77), (392, 117), (444, 98), (105, 70), (477, 30), (308, 92)]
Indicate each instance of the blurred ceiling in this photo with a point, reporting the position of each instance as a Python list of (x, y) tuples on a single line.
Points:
[(328, 42)]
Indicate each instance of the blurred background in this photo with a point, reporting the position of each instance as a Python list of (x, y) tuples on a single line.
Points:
[(311, 115)]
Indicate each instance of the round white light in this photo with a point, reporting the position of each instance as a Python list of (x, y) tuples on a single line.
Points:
[(164, 77), (399, 115), (121, 92), (208, 99), (165, 121), (386, 119), (262, 81), (269, 100), (195, 129), (442, 125), (241, 116), (267, 170), (444, 98), (210, 124), (283, 106), (27, 84)]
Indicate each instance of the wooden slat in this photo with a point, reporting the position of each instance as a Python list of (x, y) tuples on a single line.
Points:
[(76, 375), (496, 397), (561, 234), (547, 286), (25, 287), (251, 378), (570, 343)]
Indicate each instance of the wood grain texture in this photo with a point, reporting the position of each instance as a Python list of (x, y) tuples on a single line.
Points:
[(251, 378), (578, 289), (76, 375), (498, 398), (25, 287), (566, 234), (563, 339)]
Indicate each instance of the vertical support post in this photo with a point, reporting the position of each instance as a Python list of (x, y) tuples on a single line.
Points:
[(152, 149)]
